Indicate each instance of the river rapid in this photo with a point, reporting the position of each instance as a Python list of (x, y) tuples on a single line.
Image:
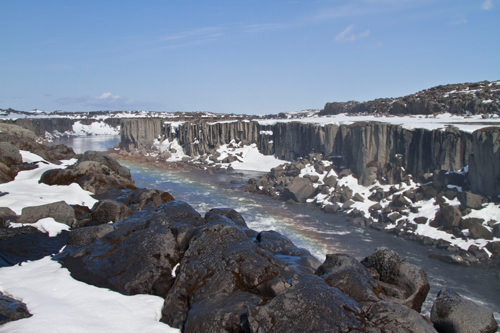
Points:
[(306, 226)]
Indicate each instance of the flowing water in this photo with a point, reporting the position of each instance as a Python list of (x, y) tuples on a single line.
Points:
[(307, 226)]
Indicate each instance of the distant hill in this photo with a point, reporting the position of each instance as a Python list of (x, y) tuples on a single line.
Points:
[(464, 98)]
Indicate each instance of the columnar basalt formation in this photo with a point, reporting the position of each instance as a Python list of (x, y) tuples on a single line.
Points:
[(371, 150)]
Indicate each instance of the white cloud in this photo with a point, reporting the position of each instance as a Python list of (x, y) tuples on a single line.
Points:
[(349, 35), (108, 96), (487, 5)]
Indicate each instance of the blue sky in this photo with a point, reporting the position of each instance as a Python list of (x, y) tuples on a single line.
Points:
[(238, 56)]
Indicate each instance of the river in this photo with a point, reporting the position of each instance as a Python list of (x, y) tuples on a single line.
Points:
[(306, 226)]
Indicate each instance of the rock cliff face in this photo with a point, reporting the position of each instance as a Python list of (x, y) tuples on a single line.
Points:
[(484, 172), (371, 150), (40, 126)]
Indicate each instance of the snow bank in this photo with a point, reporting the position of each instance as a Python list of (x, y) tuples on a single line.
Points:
[(61, 304), (25, 190), (94, 128), (248, 158)]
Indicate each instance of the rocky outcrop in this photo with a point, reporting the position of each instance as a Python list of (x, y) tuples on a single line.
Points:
[(94, 172), (402, 281), (216, 274), (476, 98), (453, 313)]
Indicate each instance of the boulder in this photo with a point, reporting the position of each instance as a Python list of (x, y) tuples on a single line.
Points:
[(108, 211), (9, 154), (11, 309), (227, 212), (108, 161), (447, 217), (394, 317), (453, 313), (90, 175), (138, 255), (349, 275), (496, 230), (87, 235), (331, 208), (60, 211), (141, 198), (403, 282), (471, 200), (479, 231), (300, 189)]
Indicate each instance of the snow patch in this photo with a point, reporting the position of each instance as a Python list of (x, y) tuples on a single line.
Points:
[(47, 225), (60, 303)]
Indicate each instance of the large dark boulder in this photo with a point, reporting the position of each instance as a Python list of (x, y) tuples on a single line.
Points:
[(394, 317), (453, 313), (349, 275), (108, 161), (108, 211), (90, 175), (310, 305), (138, 255), (142, 198), (11, 309), (300, 189), (60, 211), (447, 217), (403, 282), (477, 230)]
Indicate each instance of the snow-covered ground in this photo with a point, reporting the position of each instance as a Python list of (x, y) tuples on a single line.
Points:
[(57, 302), (60, 303), (247, 157), (25, 190), (464, 123)]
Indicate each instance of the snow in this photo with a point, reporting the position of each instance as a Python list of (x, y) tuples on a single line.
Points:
[(171, 146), (61, 304), (175, 124), (490, 211), (47, 225), (95, 128), (249, 158), (440, 121), (25, 190), (266, 132)]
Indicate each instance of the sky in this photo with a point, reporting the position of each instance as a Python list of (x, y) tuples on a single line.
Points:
[(254, 57)]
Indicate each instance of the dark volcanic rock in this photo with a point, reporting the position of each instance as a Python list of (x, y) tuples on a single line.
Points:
[(349, 275), (108, 211), (479, 231), (300, 189), (405, 282), (60, 211), (141, 198), (107, 161), (138, 256), (27, 243), (11, 309), (215, 213), (452, 313), (447, 216), (471, 200), (394, 317), (90, 175)]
